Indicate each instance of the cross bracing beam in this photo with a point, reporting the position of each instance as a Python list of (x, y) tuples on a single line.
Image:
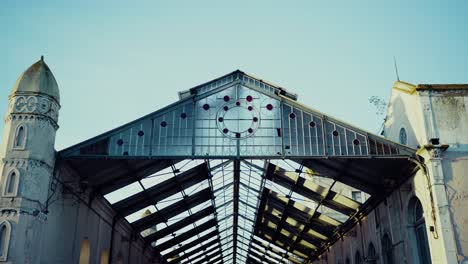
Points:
[(275, 235), (181, 224), (272, 254), (311, 190), (173, 210), (295, 230), (283, 241), (215, 260), (255, 254), (224, 187), (322, 223), (296, 227), (118, 180), (248, 187), (195, 251), (211, 255), (206, 255), (162, 190), (184, 236), (369, 175), (286, 255), (263, 251), (251, 260), (174, 253)]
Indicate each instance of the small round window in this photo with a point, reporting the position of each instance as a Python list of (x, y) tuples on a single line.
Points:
[(403, 136)]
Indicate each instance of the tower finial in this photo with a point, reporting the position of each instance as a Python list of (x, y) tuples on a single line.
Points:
[(396, 69), (42, 57)]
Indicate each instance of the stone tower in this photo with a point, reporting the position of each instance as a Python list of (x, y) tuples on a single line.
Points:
[(28, 156)]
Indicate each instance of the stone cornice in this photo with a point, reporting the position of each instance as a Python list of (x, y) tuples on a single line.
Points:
[(27, 163), (34, 105)]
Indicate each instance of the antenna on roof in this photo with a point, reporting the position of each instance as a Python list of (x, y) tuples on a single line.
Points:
[(396, 69)]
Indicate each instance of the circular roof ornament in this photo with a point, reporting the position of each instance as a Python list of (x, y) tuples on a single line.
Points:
[(238, 119)]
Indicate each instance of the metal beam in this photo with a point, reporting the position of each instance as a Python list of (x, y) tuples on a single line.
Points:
[(251, 260), (161, 191), (295, 230), (194, 251), (181, 224), (215, 260), (208, 257), (106, 185), (282, 241), (184, 236), (173, 210), (236, 181), (199, 257), (311, 190), (269, 252), (174, 253), (250, 252), (264, 252)]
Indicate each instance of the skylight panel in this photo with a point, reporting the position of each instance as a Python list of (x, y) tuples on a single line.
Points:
[(139, 214), (123, 193)]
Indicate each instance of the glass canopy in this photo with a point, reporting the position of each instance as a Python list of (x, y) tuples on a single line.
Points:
[(237, 171)]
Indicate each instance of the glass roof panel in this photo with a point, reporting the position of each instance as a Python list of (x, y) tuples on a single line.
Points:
[(123, 193)]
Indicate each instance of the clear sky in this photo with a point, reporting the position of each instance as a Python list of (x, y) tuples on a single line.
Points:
[(115, 61)]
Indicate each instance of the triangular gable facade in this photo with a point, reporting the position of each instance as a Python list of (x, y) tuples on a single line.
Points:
[(236, 116)]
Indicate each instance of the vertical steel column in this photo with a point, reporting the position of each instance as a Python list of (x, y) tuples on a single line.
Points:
[(236, 175)]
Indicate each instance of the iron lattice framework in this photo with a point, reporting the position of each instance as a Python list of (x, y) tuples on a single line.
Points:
[(237, 171)]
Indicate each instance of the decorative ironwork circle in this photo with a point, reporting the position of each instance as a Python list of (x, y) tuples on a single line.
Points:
[(238, 120)]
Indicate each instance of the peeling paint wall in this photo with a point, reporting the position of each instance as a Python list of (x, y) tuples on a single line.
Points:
[(392, 219), (451, 122), (424, 115), (72, 220), (455, 164)]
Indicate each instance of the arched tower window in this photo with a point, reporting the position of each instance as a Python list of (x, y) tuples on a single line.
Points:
[(357, 258), (20, 137), (387, 249), (5, 230), (371, 254), (84, 252), (10, 188), (419, 233)]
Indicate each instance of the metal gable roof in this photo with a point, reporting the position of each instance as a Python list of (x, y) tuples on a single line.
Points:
[(239, 172)]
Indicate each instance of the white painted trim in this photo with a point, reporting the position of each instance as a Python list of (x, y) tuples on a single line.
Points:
[(25, 129), (7, 224), (6, 181)]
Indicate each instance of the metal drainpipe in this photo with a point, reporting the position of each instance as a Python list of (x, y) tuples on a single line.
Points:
[(112, 240)]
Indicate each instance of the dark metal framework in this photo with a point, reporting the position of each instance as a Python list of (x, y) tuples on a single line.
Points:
[(237, 171)]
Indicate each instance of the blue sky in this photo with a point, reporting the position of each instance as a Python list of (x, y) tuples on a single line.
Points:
[(118, 60)]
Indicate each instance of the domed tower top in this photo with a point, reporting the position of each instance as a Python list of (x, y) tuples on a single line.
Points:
[(37, 79)]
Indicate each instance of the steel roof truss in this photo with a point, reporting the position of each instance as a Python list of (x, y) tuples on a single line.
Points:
[(162, 190), (311, 190), (184, 236), (194, 251), (173, 210), (174, 253)]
